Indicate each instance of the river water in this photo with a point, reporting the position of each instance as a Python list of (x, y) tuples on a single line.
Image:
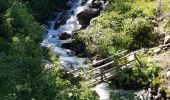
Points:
[(67, 57)]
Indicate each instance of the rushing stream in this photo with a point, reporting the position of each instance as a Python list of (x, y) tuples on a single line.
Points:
[(67, 57), (52, 40)]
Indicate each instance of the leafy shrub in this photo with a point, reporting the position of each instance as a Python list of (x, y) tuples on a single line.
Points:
[(104, 36), (148, 7), (19, 20), (140, 29), (124, 6), (127, 26), (141, 74), (157, 82)]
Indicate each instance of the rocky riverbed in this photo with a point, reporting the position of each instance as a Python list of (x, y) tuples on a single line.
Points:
[(59, 36)]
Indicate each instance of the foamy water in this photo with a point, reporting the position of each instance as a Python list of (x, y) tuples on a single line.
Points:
[(67, 57)]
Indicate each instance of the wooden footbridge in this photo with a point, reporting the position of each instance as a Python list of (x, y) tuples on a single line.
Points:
[(104, 69)]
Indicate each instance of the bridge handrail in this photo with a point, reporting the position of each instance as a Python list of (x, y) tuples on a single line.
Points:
[(98, 62)]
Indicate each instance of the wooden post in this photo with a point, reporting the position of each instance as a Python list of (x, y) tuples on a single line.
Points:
[(101, 74)]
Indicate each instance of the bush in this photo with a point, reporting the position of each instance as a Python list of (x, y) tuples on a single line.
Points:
[(124, 6), (127, 26), (157, 82), (19, 20), (141, 31), (141, 73), (105, 36)]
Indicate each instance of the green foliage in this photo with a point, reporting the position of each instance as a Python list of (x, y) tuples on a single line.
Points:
[(120, 6), (21, 69), (157, 82), (19, 20), (3, 45), (168, 93), (126, 25), (23, 76), (105, 35), (148, 7), (141, 73), (43, 9), (140, 29), (4, 4)]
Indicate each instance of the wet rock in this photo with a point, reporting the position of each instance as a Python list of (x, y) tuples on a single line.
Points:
[(53, 36), (167, 39), (66, 45), (64, 36), (62, 20), (70, 54), (85, 16), (96, 5), (78, 46)]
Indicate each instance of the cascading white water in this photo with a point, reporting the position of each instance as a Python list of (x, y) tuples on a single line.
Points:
[(67, 58), (52, 41)]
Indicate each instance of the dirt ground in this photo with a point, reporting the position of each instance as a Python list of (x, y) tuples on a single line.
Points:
[(163, 60)]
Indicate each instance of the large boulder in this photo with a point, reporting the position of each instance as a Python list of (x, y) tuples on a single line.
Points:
[(64, 36), (66, 45), (85, 16)]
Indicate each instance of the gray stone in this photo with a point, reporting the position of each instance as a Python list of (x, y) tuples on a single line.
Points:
[(85, 16), (64, 36)]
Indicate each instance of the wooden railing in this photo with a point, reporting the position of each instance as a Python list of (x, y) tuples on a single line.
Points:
[(90, 66), (106, 71)]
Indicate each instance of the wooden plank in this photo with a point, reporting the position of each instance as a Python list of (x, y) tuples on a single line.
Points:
[(112, 69), (103, 66), (112, 62), (98, 62), (160, 46)]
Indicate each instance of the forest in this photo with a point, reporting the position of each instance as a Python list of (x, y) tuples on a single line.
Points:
[(37, 58)]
